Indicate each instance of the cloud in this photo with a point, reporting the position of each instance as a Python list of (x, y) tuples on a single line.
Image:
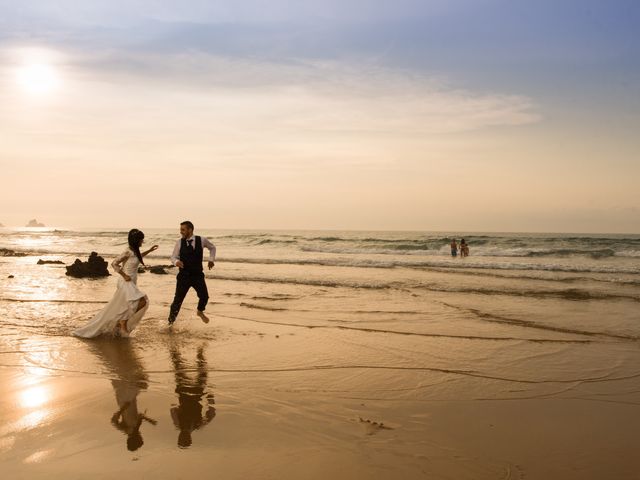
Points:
[(126, 12), (277, 66), (242, 114), (309, 96)]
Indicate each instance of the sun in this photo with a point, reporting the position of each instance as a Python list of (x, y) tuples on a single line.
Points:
[(38, 79)]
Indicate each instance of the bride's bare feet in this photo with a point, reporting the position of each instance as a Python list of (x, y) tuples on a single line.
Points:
[(123, 326), (203, 317)]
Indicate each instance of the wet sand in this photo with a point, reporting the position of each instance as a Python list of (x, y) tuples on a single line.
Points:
[(270, 401)]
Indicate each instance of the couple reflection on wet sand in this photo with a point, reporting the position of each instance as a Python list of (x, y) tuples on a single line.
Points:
[(130, 379)]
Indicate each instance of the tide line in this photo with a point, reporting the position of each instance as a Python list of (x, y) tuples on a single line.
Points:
[(396, 332)]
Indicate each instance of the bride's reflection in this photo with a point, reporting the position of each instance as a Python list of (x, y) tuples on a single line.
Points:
[(191, 386), (119, 357)]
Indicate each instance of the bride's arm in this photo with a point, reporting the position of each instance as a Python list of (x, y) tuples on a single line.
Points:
[(118, 263), (152, 249)]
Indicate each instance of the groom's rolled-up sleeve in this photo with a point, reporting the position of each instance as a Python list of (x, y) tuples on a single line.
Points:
[(212, 249), (175, 256)]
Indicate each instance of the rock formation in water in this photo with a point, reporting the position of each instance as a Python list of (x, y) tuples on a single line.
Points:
[(34, 223), (7, 252), (158, 269), (50, 262), (96, 266)]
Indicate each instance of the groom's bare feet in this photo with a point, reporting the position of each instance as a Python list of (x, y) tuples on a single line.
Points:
[(203, 317)]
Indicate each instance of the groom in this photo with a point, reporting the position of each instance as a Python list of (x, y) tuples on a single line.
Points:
[(187, 256)]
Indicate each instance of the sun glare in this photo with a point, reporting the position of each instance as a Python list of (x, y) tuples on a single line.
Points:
[(38, 78), (34, 397)]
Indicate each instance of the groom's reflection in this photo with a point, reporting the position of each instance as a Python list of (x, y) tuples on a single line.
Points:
[(190, 414), (119, 357)]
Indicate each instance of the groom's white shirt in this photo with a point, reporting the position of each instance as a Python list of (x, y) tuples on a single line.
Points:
[(205, 244)]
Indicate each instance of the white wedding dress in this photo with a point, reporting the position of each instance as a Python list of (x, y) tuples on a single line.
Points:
[(122, 306)]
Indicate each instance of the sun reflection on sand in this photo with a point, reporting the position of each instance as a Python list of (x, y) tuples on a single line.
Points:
[(38, 296), (26, 422), (34, 397), (6, 443), (38, 456), (36, 372), (33, 289), (38, 357), (32, 420)]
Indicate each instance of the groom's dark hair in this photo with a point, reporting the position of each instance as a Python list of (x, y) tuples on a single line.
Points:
[(188, 224)]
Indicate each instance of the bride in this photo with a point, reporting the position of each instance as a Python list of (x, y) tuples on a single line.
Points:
[(128, 305)]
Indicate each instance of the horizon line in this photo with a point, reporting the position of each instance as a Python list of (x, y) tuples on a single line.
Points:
[(271, 229)]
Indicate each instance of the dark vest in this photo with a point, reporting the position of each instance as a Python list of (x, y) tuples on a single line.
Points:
[(190, 256)]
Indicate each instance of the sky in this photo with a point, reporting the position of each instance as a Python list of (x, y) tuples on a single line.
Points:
[(430, 115)]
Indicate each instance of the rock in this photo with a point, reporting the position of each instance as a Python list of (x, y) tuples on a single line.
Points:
[(34, 224), (11, 276), (158, 270), (96, 266), (50, 262), (6, 252), (372, 427)]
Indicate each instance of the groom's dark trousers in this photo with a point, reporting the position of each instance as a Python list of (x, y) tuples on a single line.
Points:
[(191, 275)]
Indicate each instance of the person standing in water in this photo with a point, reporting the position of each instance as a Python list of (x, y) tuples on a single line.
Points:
[(187, 256), (464, 248), (454, 248)]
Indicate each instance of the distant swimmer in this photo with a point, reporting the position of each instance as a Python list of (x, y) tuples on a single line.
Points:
[(454, 248), (464, 248)]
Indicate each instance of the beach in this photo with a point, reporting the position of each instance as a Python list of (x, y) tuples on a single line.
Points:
[(329, 355)]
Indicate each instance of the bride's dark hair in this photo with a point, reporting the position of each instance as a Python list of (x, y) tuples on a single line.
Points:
[(135, 237)]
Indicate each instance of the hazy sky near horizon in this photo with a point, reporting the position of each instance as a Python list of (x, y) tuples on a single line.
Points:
[(461, 115)]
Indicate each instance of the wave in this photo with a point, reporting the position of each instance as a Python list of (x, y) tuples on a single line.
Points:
[(571, 294), (571, 254), (304, 282), (362, 261), (406, 333), (434, 263), (51, 233), (267, 241), (489, 317), (48, 300), (565, 252), (538, 278), (276, 297), (489, 251), (262, 307)]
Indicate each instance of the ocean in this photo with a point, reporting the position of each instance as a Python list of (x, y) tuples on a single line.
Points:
[(351, 333)]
